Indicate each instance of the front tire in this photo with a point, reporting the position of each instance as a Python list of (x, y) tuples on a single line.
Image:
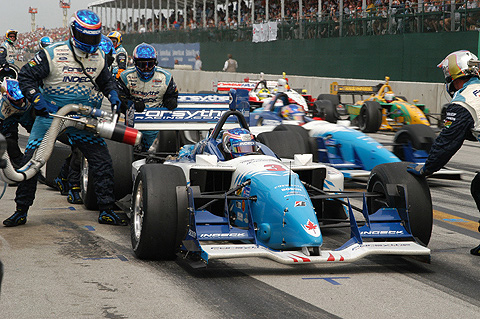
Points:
[(370, 117), (159, 222), (420, 211)]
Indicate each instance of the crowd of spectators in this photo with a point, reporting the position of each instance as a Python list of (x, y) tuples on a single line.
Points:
[(435, 15), (380, 18), (28, 43)]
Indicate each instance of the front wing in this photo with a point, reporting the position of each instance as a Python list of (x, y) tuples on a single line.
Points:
[(351, 253)]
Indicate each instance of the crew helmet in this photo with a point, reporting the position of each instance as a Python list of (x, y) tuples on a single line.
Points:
[(10, 32), (145, 60), (11, 90), (293, 112), (115, 35), (389, 96), (106, 45), (238, 142), (85, 30), (45, 42), (457, 65)]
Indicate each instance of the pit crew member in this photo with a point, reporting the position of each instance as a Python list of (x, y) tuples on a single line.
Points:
[(7, 49), (14, 110), (71, 71), (120, 56), (461, 71), (149, 83)]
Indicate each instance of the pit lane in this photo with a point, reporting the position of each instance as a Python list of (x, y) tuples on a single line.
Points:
[(62, 263)]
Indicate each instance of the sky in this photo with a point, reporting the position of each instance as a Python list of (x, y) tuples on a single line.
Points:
[(50, 15)]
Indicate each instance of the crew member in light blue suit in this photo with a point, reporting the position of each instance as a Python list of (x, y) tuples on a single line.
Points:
[(149, 83), (72, 71)]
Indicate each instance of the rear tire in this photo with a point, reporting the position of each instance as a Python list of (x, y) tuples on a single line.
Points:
[(122, 159), (420, 136), (419, 200), (328, 109), (158, 222), (370, 117)]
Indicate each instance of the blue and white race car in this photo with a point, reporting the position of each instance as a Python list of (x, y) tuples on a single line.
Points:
[(349, 150), (230, 196)]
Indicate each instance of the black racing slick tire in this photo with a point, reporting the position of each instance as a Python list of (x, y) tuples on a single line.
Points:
[(327, 109), (418, 196), (335, 99), (159, 216), (419, 136), (370, 117), (122, 159)]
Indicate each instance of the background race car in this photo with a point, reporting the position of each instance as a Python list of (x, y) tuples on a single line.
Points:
[(349, 150), (381, 110)]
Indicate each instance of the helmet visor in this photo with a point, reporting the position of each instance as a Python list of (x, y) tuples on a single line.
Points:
[(145, 65), (89, 39), (244, 147)]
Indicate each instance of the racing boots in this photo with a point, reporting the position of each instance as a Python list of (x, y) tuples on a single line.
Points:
[(62, 185), (18, 218), (74, 195), (108, 216)]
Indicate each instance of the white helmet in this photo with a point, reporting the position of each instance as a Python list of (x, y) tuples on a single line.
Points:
[(389, 96), (457, 65)]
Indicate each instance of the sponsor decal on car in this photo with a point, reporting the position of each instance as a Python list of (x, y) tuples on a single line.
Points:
[(311, 228)]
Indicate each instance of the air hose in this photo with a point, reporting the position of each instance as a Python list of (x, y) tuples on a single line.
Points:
[(102, 123)]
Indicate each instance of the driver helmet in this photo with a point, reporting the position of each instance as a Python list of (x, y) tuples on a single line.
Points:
[(145, 60), (293, 112), (85, 30), (238, 142), (116, 38), (264, 93), (9, 33), (457, 65), (389, 96), (45, 42), (11, 91)]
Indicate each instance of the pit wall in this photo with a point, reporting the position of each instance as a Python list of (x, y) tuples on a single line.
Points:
[(433, 95)]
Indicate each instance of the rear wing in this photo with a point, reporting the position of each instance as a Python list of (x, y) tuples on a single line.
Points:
[(340, 89), (247, 85), (195, 112)]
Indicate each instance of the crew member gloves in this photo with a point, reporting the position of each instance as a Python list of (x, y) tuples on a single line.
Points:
[(115, 101), (42, 107), (416, 169)]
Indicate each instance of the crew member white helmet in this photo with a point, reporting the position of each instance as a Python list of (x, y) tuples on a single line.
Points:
[(457, 65)]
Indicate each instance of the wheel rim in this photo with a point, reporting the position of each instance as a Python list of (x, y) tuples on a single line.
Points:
[(362, 118), (138, 213), (84, 180)]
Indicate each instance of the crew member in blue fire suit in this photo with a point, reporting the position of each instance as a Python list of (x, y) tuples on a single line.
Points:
[(149, 83), (72, 71), (462, 122)]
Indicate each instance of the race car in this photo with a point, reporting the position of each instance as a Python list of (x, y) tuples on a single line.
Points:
[(381, 110), (349, 150), (229, 196), (261, 89)]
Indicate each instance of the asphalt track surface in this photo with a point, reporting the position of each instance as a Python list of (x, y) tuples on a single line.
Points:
[(63, 264)]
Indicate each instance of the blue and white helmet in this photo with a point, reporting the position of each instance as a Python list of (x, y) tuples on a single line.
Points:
[(11, 90), (238, 142), (45, 42), (107, 45), (86, 30), (145, 60)]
